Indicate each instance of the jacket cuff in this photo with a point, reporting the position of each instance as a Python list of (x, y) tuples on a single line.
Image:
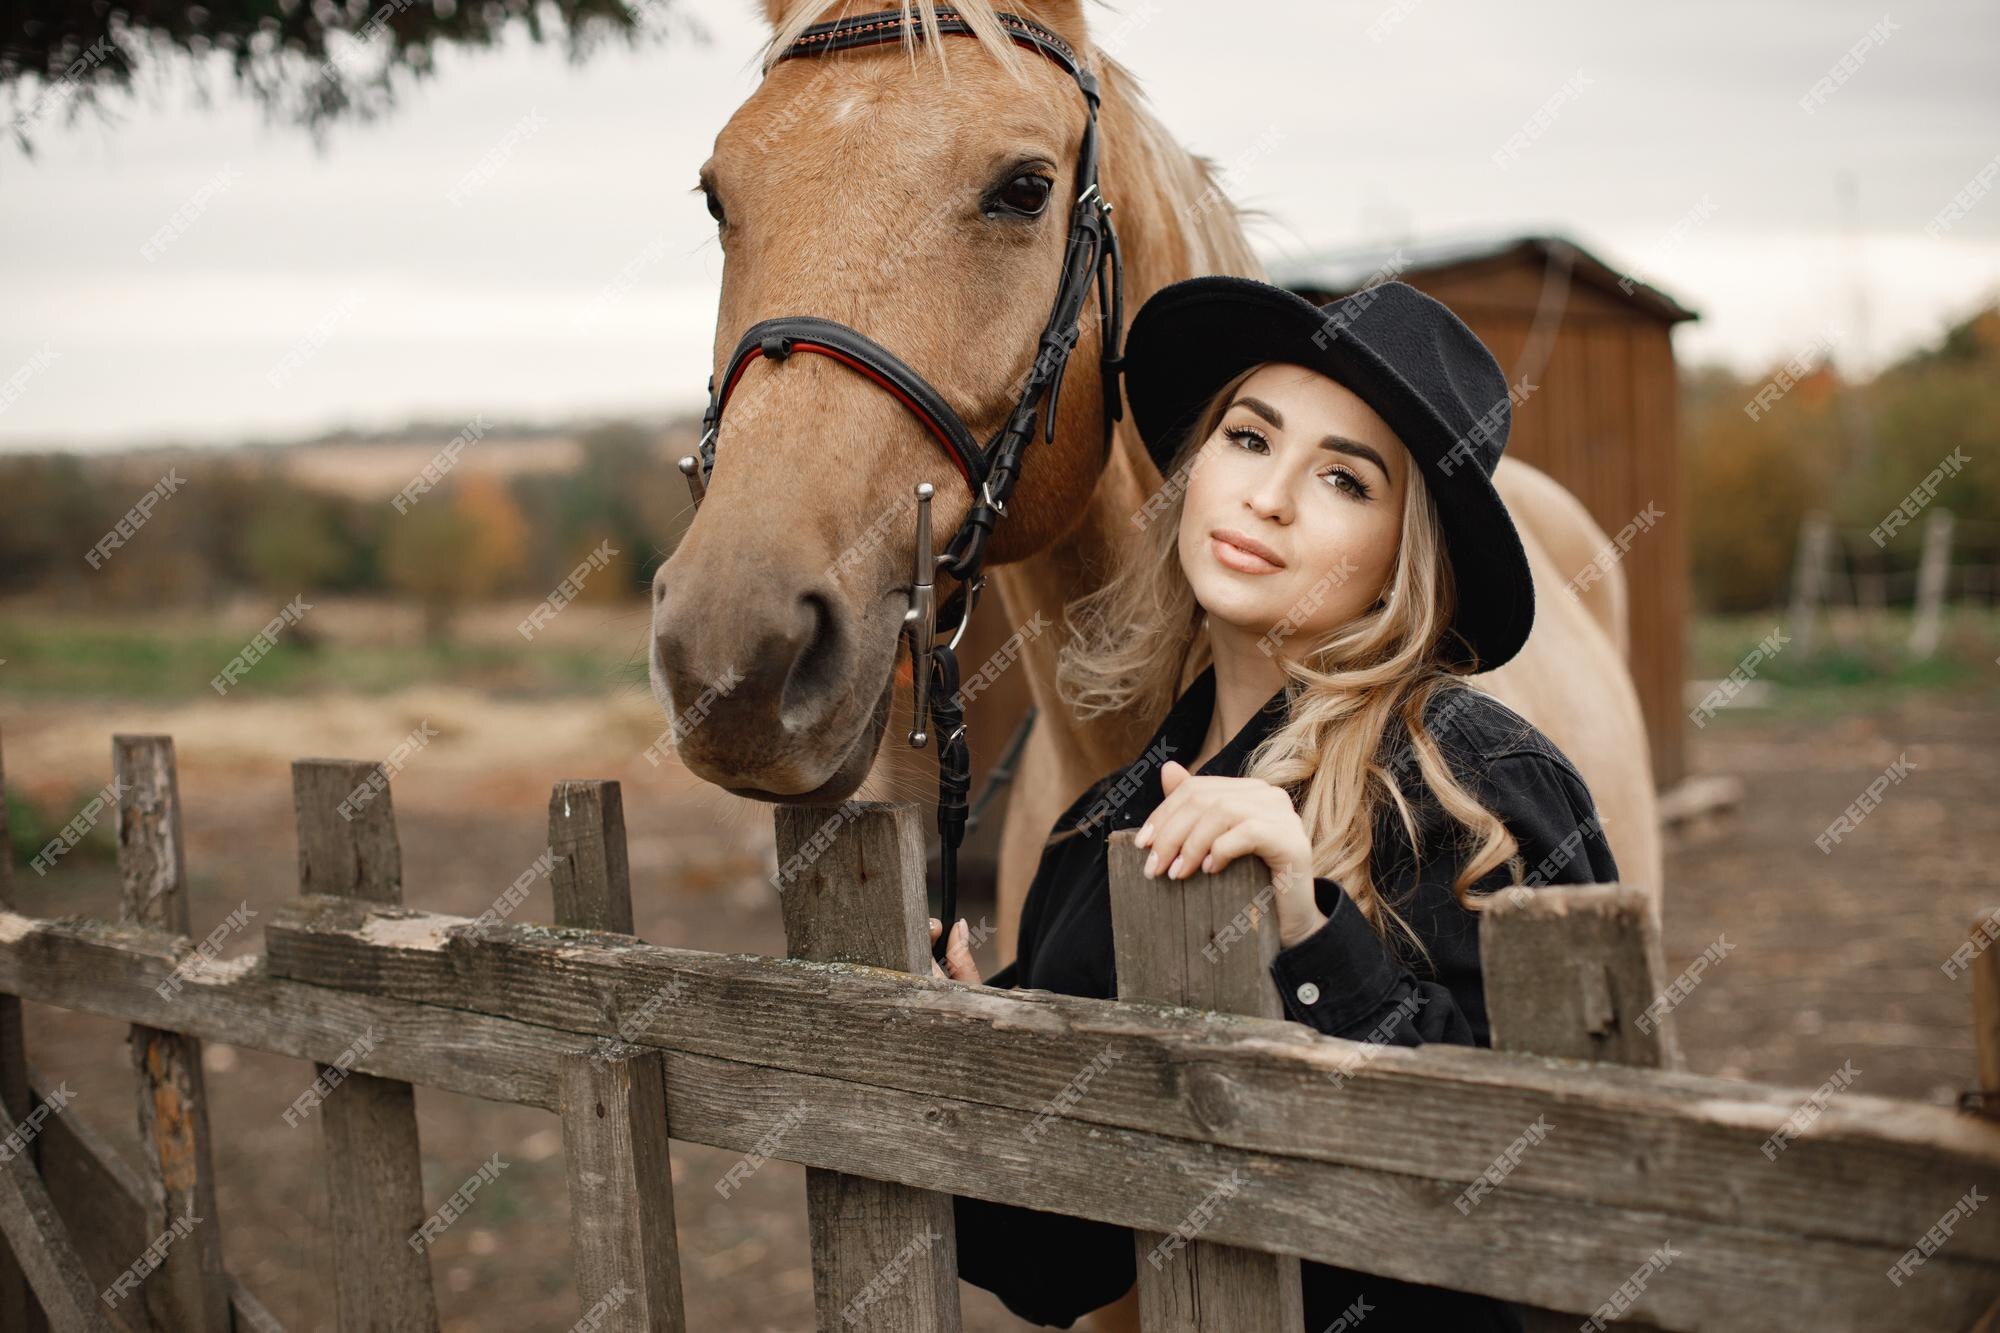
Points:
[(1339, 974)]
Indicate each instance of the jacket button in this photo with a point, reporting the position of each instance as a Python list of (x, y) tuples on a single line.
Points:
[(1308, 993)]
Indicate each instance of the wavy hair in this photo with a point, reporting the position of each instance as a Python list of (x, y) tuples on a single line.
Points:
[(1354, 692)]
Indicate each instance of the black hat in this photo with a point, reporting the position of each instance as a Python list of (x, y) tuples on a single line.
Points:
[(1404, 354)]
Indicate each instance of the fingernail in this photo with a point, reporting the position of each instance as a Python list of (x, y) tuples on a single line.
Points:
[(1174, 870), (1152, 864), (1145, 837), (934, 923)]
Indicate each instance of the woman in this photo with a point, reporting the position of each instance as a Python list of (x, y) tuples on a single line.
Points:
[(1330, 540)]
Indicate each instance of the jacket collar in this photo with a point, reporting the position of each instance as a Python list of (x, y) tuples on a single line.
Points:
[(1179, 738)]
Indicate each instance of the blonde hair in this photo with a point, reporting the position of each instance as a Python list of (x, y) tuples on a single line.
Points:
[(1136, 640)]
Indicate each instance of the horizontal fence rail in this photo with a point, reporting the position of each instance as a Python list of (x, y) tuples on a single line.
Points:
[(1355, 1154)]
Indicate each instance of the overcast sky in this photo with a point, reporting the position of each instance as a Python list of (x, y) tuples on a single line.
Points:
[(319, 288)]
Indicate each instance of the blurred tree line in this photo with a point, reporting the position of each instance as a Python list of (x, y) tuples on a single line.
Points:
[(1854, 449), (239, 522)]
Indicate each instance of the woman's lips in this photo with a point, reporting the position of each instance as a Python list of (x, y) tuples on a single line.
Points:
[(1240, 560)]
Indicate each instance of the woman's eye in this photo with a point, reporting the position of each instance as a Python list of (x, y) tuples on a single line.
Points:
[(1347, 481), (1246, 436), (1026, 194)]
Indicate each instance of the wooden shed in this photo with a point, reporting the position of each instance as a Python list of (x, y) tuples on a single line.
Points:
[(1602, 417)]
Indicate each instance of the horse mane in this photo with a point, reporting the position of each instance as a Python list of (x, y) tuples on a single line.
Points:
[(1210, 223)]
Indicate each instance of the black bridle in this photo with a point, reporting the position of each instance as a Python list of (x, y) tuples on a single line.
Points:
[(1090, 259)]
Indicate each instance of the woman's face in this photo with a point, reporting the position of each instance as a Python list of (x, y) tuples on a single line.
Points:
[(1301, 466)]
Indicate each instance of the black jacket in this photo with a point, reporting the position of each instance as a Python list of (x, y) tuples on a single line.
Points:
[(1051, 1269)]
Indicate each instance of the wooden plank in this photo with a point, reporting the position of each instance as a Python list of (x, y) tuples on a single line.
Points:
[(188, 1287), (614, 1098), (1206, 1083), (1986, 1015), (591, 876), (1205, 942), (374, 1166), (1440, 1112), (38, 1234), (1574, 971), (621, 1199), (99, 1197), (884, 1255), (18, 1307)]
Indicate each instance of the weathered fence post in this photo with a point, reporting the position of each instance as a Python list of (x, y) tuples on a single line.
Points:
[(1986, 1015), (187, 1288), (1577, 971), (38, 1234), (374, 1168), (614, 1099), (1205, 942), (851, 883), (18, 1308)]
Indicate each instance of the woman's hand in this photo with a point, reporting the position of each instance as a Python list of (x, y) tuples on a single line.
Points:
[(957, 954), (1207, 821)]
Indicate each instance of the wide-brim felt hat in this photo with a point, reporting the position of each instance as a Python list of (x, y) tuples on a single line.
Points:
[(1409, 358)]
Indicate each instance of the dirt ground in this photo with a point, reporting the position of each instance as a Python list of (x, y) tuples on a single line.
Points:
[(1830, 957)]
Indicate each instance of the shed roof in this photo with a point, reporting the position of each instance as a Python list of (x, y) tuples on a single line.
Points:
[(1347, 270)]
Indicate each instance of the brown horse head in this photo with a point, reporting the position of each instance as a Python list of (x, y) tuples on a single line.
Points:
[(921, 195)]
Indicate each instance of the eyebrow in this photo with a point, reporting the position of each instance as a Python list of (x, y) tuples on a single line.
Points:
[(1338, 443)]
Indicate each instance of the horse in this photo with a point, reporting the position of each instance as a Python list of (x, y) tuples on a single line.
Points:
[(860, 187)]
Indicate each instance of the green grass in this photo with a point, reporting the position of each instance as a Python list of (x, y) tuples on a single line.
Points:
[(1865, 658), (69, 660)]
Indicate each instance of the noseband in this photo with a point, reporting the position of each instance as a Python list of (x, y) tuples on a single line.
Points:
[(1090, 258)]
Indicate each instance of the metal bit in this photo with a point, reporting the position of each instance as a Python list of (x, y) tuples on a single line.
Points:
[(920, 621), (691, 469)]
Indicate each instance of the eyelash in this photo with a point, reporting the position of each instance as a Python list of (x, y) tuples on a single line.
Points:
[(1360, 491)]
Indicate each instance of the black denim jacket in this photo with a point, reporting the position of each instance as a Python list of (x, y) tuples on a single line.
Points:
[(1342, 980)]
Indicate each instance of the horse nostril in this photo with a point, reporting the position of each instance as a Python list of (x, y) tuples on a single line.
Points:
[(816, 668)]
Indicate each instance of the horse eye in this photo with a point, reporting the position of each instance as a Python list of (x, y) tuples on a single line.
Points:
[(714, 202), (1027, 194)]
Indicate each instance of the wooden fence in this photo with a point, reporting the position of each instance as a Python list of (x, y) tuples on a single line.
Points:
[(1575, 1168)]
